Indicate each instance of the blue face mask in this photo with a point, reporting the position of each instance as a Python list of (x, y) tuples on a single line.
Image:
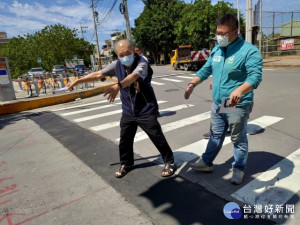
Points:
[(127, 60)]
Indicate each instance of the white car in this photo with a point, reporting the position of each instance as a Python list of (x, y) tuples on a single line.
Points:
[(39, 71)]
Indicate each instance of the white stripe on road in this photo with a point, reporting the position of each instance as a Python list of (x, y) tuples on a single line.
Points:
[(156, 83), (275, 186), (104, 114), (78, 106), (91, 109), (105, 126), (265, 121), (198, 148), (162, 112), (175, 125), (173, 80), (185, 77)]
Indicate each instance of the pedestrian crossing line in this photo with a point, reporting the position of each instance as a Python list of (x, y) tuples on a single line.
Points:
[(275, 186), (104, 114), (78, 106), (157, 83), (162, 113), (173, 80), (265, 121), (196, 149), (174, 125), (169, 75), (91, 109), (185, 77)]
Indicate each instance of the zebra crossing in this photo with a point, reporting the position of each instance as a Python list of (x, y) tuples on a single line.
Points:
[(103, 121)]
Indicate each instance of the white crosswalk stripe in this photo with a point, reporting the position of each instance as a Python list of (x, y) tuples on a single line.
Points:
[(162, 113), (275, 186), (82, 105), (104, 114), (91, 109), (174, 125), (173, 80), (185, 77), (157, 83)]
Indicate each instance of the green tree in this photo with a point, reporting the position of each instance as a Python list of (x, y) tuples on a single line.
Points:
[(53, 44), (198, 22), (154, 27)]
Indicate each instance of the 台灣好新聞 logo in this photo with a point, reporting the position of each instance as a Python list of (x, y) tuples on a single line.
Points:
[(232, 210)]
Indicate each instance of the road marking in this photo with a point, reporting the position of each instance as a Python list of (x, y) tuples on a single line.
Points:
[(275, 186), (104, 114), (174, 125), (185, 77), (91, 109), (156, 83), (162, 112), (77, 106), (196, 149), (173, 80)]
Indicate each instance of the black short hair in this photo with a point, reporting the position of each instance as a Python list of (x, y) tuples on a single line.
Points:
[(137, 46), (229, 20)]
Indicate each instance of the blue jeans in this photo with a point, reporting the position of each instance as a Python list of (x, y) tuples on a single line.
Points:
[(237, 122)]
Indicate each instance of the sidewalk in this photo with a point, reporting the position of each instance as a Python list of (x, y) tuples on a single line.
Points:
[(23, 103), (292, 61), (42, 182)]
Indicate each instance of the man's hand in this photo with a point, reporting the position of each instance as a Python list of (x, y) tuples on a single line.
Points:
[(71, 85), (112, 92), (188, 91), (235, 97)]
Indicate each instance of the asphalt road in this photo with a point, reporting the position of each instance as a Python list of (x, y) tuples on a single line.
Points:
[(189, 197)]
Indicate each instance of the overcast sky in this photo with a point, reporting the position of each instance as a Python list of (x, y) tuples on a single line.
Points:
[(19, 17)]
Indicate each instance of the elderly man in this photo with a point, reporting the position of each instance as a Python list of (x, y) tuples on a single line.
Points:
[(236, 68), (139, 105)]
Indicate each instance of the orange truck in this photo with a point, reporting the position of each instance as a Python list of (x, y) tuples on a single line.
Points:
[(184, 58)]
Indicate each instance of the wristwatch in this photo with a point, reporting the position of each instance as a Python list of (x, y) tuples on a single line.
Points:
[(120, 85)]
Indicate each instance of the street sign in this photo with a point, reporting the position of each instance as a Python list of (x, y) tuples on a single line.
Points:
[(287, 44), (7, 91), (39, 60)]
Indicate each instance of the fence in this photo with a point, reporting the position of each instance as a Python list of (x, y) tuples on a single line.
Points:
[(36, 86), (280, 32)]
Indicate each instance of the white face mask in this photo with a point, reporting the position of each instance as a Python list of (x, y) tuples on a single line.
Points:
[(223, 40)]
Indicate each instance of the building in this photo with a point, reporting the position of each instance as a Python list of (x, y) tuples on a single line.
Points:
[(3, 38), (290, 29)]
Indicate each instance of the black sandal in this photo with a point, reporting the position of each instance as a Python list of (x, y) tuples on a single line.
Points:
[(123, 170), (169, 168)]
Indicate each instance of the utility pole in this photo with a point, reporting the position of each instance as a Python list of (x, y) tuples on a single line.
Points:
[(238, 15), (260, 24), (82, 30), (249, 21), (96, 34), (126, 17)]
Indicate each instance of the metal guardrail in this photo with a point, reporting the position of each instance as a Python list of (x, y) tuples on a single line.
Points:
[(47, 85)]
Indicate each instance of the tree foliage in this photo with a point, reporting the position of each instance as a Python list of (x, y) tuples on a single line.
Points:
[(155, 25), (53, 44), (163, 25)]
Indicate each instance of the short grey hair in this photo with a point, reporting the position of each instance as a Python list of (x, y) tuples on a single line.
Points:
[(124, 40)]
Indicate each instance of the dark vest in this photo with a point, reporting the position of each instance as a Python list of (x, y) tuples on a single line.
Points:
[(137, 103)]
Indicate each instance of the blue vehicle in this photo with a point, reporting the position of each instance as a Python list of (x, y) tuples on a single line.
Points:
[(80, 69)]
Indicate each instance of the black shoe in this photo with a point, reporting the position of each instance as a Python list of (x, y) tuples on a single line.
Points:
[(158, 114)]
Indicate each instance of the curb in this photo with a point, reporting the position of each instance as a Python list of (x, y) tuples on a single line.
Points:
[(16, 106), (281, 66)]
